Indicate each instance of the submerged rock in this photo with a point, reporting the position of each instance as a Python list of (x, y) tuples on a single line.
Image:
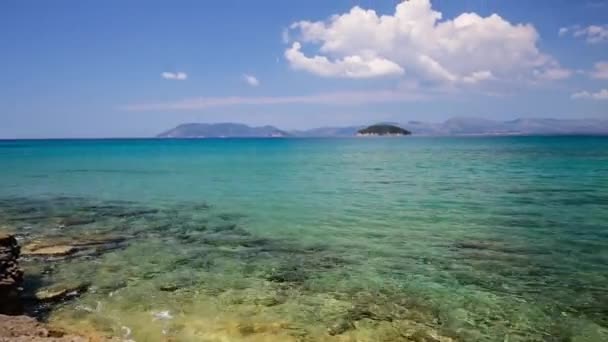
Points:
[(162, 315), (340, 326), (169, 287), (59, 293), (269, 300), (23, 328), (11, 276), (48, 251), (287, 274), (60, 248), (75, 221)]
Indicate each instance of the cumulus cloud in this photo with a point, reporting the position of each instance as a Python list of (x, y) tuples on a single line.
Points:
[(478, 76), (330, 98), (179, 76), (414, 41), (251, 80), (350, 66), (600, 70), (599, 95), (553, 73), (593, 34)]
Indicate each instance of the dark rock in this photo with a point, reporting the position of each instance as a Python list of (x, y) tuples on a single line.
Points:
[(287, 274), (11, 276), (75, 221), (135, 213), (246, 329), (169, 287)]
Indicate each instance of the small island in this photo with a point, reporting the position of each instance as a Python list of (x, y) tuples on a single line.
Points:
[(383, 130)]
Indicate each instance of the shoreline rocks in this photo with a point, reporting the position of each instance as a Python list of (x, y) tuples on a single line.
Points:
[(27, 329), (13, 325), (61, 248), (11, 276), (60, 293)]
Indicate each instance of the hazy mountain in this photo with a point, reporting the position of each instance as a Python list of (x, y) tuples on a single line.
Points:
[(464, 126), (554, 126), (453, 126), (348, 131), (221, 130), (479, 126)]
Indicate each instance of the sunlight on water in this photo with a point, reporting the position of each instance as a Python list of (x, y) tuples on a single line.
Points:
[(444, 239)]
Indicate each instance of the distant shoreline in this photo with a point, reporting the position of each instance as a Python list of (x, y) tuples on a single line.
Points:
[(472, 135)]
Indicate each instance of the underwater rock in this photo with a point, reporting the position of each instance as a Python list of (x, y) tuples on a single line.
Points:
[(169, 287), (417, 332), (11, 276), (133, 213), (48, 251), (27, 329), (270, 300), (340, 326), (64, 247), (74, 221), (287, 274), (588, 332), (60, 293), (162, 315)]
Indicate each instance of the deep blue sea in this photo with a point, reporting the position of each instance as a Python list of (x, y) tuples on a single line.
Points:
[(362, 239)]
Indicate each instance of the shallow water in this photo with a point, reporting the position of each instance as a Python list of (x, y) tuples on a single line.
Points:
[(422, 239)]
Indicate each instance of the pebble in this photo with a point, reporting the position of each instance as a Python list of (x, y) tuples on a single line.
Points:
[(162, 315)]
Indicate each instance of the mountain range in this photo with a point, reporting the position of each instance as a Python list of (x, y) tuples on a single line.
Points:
[(453, 126), (222, 130)]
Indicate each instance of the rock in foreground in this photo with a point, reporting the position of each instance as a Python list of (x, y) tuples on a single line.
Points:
[(23, 328), (11, 276)]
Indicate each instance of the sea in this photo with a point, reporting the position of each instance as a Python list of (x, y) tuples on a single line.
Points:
[(337, 239)]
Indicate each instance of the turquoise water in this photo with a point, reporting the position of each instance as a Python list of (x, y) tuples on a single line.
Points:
[(421, 239)]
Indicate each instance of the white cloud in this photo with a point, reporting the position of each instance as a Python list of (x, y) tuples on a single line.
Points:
[(349, 66), (599, 95), (478, 76), (285, 36), (331, 98), (553, 73), (593, 34), (251, 80), (179, 76), (600, 70), (414, 41)]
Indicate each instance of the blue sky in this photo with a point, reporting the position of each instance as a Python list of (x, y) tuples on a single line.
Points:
[(135, 68)]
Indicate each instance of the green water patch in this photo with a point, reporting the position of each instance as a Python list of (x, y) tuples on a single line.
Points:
[(193, 271)]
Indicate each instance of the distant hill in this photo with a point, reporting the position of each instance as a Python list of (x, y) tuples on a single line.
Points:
[(383, 129), (347, 131), (453, 126), (221, 130), (533, 126)]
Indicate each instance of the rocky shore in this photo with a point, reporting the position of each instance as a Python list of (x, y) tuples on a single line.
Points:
[(14, 325), (11, 276)]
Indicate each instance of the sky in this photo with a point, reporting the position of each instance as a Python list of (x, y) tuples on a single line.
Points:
[(134, 68)]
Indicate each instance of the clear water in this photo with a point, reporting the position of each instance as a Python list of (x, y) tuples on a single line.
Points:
[(421, 239)]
